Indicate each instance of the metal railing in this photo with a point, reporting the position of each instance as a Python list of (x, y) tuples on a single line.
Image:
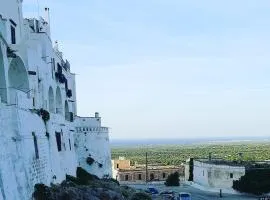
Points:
[(92, 129)]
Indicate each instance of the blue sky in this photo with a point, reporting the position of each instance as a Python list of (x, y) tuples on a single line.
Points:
[(168, 68)]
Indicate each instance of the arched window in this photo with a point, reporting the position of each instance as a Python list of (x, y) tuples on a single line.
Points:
[(17, 77), (67, 115), (59, 106), (3, 85), (51, 101)]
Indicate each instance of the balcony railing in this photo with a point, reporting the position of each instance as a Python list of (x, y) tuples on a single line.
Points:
[(92, 129), (20, 99)]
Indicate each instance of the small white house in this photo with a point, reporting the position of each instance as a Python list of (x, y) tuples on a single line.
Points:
[(216, 173)]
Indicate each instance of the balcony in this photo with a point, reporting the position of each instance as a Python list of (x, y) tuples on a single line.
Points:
[(20, 99), (92, 129)]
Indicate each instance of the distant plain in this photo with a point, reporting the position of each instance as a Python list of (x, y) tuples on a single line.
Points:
[(177, 151)]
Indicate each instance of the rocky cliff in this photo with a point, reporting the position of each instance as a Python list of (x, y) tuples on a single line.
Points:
[(87, 187)]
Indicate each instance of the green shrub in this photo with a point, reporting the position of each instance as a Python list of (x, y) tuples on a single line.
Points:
[(41, 192), (44, 114), (141, 196), (255, 181), (84, 177), (90, 160), (73, 180), (112, 180), (173, 180), (191, 168)]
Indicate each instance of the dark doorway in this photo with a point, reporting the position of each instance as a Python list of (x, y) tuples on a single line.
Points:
[(152, 176), (163, 175), (58, 140), (139, 176)]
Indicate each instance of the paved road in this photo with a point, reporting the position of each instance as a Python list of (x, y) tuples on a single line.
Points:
[(197, 194)]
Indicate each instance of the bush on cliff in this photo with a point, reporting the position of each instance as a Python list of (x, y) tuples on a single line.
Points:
[(41, 192), (84, 177), (173, 180), (88, 187), (112, 180), (90, 160)]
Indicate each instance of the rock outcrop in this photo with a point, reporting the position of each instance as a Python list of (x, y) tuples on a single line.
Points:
[(87, 187)]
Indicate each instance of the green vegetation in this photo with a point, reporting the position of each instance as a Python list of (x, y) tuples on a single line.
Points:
[(173, 180), (177, 154), (141, 196), (191, 169), (255, 181)]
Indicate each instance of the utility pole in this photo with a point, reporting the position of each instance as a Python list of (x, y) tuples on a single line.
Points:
[(146, 168)]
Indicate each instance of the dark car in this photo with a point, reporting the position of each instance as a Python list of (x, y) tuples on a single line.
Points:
[(184, 196), (153, 190), (170, 195)]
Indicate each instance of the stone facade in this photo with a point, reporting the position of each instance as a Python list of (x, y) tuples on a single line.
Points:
[(38, 110), (123, 171)]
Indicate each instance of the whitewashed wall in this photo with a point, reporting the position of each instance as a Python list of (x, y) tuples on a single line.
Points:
[(216, 176), (92, 140), (21, 96)]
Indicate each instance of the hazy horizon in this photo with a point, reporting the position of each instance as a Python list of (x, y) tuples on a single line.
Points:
[(156, 69), (196, 138)]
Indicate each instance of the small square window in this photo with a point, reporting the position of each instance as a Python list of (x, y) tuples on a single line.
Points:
[(231, 175)]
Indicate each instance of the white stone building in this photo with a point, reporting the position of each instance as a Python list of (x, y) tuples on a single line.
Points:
[(92, 143), (39, 146), (215, 173)]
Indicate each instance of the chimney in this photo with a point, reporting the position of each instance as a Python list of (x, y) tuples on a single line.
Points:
[(47, 15), (48, 20), (96, 115)]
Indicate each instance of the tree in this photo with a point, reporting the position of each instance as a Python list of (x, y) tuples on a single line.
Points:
[(191, 168), (255, 181), (173, 180)]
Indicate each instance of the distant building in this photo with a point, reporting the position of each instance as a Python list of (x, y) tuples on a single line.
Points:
[(124, 171), (215, 173)]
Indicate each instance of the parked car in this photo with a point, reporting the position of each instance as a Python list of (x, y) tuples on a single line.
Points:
[(153, 190), (168, 192), (170, 195), (184, 196)]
